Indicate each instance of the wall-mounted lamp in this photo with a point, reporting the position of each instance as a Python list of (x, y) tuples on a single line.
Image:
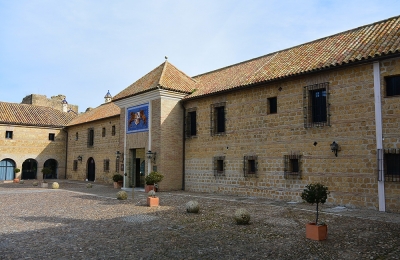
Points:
[(79, 157), (150, 155), (334, 147), (117, 154)]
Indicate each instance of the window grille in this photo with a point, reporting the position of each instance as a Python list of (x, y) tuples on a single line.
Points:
[(392, 86), (218, 118), (106, 163), (90, 137), (191, 123), (292, 166), (389, 165), (117, 165), (75, 166), (219, 166), (316, 105), (250, 166)]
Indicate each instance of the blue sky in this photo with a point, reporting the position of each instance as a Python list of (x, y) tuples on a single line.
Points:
[(83, 48)]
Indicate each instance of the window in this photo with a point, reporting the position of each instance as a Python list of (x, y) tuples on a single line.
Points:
[(218, 119), (51, 137), (272, 105), (76, 136), (75, 167), (250, 166), (391, 164), (90, 137), (117, 165), (191, 123), (106, 165), (103, 132), (9, 134), (292, 166), (392, 86), (316, 106), (113, 130), (219, 166)]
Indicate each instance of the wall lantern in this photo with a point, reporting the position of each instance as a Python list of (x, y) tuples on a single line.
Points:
[(117, 154), (79, 157), (150, 155), (334, 148)]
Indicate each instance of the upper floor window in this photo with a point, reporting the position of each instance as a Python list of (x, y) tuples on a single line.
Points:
[(392, 86), (272, 105), (218, 112), (113, 130), (76, 136), (51, 137), (9, 134), (90, 140), (191, 123), (103, 132), (316, 106)]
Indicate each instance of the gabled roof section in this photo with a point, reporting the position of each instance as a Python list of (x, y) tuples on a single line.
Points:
[(103, 111), (376, 40), (31, 115), (166, 76)]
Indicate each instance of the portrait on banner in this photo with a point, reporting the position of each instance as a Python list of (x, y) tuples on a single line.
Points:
[(137, 119)]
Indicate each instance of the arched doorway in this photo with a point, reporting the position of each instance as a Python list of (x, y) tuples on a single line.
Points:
[(29, 169), (52, 164), (91, 169), (7, 167)]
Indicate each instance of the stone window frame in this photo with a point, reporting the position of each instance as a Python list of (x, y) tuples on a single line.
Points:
[(250, 166), (106, 165), (219, 165), (189, 122), (215, 120), (52, 136), (9, 135), (309, 109), (392, 89), (292, 166), (272, 103)]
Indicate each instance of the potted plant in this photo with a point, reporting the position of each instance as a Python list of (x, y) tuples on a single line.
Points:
[(16, 170), (152, 200), (152, 179), (45, 171), (316, 193), (118, 180)]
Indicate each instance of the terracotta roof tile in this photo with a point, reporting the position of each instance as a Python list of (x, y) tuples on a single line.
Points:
[(23, 114), (103, 111)]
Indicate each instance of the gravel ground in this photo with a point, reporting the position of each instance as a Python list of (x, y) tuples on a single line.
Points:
[(75, 222)]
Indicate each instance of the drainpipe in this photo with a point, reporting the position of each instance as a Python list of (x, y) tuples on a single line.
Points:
[(379, 137), (149, 140), (124, 153)]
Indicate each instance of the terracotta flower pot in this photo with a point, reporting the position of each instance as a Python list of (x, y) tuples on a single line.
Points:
[(148, 188), (316, 232), (16, 180), (117, 185), (153, 201)]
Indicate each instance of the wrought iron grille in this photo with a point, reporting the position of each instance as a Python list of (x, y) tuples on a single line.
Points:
[(389, 165), (106, 163), (292, 166), (316, 105)]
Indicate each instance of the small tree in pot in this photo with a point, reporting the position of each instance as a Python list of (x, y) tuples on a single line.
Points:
[(16, 171), (152, 179), (316, 193), (118, 180)]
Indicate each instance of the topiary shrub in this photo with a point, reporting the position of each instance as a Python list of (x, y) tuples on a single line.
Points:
[(55, 185), (242, 217), (89, 185), (192, 207), (153, 178), (122, 195), (151, 193), (35, 183)]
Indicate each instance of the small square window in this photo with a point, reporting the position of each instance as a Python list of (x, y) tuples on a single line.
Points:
[(292, 166), (392, 86), (250, 166), (219, 166), (272, 105), (103, 132), (51, 137), (9, 134)]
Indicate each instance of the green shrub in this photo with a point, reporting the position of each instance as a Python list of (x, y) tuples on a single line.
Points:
[(153, 177)]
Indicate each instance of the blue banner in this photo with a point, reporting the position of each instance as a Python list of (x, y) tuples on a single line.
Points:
[(137, 119)]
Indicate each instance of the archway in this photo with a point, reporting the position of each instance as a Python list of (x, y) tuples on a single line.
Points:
[(52, 164), (29, 169), (7, 167), (91, 169)]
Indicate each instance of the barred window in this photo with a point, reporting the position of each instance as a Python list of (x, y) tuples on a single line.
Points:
[(218, 115), (90, 137), (392, 86), (219, 165), (113, 130), (391, 165), (316, 105), (117, 165), (250, 166), (191, 122), (75, 166), (106, 163), (103, 132), (292, 166)]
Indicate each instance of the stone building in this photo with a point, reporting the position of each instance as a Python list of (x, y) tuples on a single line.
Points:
[(57, 102)]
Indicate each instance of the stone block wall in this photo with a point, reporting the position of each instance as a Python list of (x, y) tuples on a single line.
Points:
[(53, 102)]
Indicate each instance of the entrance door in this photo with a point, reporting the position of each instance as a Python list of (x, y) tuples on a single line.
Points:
[(7, 170), (29, 169), (91, 169), (137, 173)]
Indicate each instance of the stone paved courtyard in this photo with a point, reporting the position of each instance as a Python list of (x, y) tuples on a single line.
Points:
[(75, 222)]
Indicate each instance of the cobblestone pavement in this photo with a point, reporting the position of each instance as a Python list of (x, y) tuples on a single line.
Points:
[(75, 222)]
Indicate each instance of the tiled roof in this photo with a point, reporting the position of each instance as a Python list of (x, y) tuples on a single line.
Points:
[(363, 43), (23, 114), (103, 111), (165, 76)]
